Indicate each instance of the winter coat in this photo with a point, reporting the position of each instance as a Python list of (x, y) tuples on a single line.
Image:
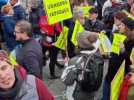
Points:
[(34, 20), (30, 56), (107, 3), (42, 90), (96, 26), (19, 11), (49, 32), (116, 60), (8, 28)]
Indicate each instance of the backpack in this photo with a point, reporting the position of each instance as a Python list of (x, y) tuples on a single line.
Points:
[(92, 74), (86, 70), (69, 74)]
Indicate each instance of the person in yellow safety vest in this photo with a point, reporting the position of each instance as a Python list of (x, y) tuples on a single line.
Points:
[(13, 59), (126, 26), (117, 18), (72, 23), (130, 11)]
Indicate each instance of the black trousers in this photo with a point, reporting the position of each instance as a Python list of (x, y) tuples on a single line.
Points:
[(71, 49), (53, 52)]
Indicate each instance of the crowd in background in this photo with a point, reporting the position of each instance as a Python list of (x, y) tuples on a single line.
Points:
[(25, 30)]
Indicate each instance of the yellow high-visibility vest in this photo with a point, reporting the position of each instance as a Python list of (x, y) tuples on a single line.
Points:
[(13, 59), (78, 28), (128, 14), (62, 39), (117, 39), (105, 43)]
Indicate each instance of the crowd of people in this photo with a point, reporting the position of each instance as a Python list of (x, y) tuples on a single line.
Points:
[(24, 29)]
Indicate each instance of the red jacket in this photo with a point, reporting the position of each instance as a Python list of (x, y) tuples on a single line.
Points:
[(125, 87), (47, 28), (43, 92), (52, 31)]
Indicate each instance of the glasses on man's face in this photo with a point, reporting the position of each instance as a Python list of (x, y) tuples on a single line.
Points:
[(16, 32)]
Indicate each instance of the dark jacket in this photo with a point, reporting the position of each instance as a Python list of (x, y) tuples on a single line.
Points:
[(96, 26), (8, 28), (49, 31), (19, 12), (41, 8), (116, 60), (27, 87), (70, 46), (30, 57), (70, 24), (34, 19)]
